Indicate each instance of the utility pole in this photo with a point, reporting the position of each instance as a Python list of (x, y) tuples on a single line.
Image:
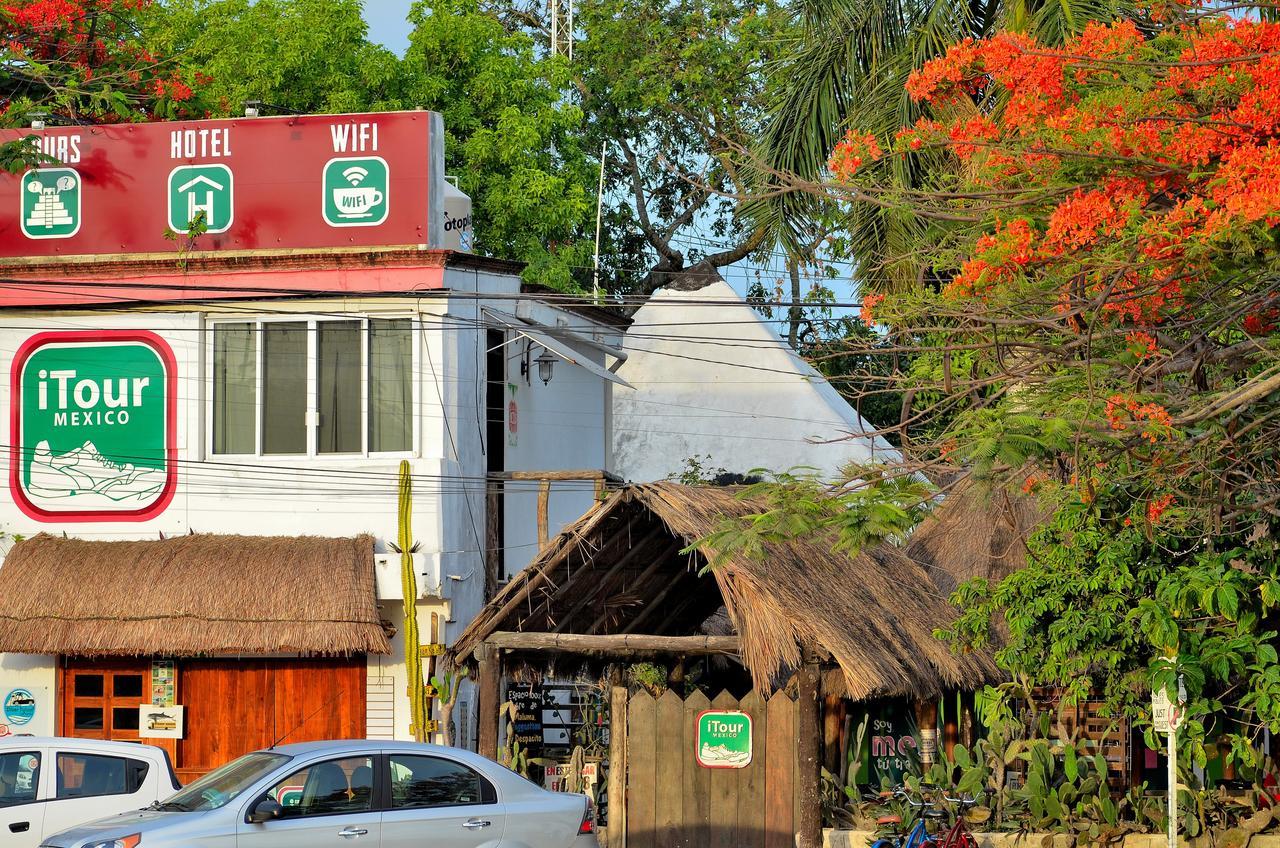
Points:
[(561, 15)]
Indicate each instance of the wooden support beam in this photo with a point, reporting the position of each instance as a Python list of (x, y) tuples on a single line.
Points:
[(490, 700), (606, 580), (574, 474), (661, 559), (620, 645), (808, 733)]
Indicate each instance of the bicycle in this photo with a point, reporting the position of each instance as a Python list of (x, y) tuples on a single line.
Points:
[(959, 835), (918, 836)]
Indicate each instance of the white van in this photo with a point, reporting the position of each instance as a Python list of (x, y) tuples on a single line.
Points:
[(51, 784)]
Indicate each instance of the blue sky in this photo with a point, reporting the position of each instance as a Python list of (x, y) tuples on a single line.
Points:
[(386, 23)]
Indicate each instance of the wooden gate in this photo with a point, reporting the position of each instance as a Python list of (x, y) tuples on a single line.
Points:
[(672, 801)]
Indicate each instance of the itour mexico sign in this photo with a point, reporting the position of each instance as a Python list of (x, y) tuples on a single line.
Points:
[(723, 739), (245, 184), (93, 426)]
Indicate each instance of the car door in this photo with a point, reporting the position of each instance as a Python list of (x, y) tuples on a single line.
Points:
[(323, 804), (87, 785), (440, 802), (22, 804)]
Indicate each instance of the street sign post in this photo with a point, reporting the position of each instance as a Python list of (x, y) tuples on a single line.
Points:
[(1167, 716)]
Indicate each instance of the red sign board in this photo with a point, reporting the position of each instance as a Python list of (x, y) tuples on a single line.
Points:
[(314, 181)]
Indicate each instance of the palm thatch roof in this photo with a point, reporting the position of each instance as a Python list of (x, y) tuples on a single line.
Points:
[(190, 595), (977, 531), (619, 570)]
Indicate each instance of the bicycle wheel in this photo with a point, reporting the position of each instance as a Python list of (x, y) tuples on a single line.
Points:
[(884, 843)]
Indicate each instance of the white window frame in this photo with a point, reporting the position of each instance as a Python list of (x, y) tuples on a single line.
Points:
[(312, 414)]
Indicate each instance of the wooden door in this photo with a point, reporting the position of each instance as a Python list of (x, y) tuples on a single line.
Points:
[(100, 698), (237, 706)]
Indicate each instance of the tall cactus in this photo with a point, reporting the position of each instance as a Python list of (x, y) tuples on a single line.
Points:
[(409, 585)]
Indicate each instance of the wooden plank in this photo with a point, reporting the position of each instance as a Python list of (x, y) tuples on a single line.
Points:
[(724, 792), (779, 781), (697, 780), (641, 771), (670, 761), (751, 780), (618, 697), (621, 644)]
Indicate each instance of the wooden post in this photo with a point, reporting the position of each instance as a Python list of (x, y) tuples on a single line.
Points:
[(544, 502), (808, 730), (832, 719), (618, 767), (951, 727), (492, 538), (490, 703)]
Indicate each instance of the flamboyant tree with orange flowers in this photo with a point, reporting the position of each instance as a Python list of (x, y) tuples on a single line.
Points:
[(1105, 220), (82, 62)]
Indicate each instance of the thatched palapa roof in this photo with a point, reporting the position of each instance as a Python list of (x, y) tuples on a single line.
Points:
[(977, 531), (190, 595), (619, 570)]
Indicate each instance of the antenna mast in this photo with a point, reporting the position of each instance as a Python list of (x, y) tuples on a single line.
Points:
[(561, 13)]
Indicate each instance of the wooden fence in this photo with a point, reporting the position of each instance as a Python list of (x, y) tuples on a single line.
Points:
[(672, 801)]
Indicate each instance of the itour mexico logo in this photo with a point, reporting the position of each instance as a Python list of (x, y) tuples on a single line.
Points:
[(93, 426)]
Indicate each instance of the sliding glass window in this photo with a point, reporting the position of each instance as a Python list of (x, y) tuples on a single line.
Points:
[(284, 387), (390, 385), (235, 388), (338, 400)]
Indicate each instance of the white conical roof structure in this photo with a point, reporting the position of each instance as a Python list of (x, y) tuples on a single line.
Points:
[(713, 381)]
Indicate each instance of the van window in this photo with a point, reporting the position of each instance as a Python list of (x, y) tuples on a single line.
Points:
[(91, 775), (19, 777)]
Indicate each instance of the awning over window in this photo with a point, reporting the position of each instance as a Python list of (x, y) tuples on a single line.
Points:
[(190, 595)]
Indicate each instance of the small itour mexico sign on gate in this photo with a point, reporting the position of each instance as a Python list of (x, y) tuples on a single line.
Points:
[(93, 426), (723, 739)]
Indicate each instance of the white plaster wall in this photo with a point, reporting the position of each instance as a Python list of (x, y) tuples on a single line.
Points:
[(717, 383), (38, 674), (342, 496), (561, 426)]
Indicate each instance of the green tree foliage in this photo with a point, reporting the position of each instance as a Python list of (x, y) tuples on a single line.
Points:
[(82, 62), (513, 137), (300, 55)]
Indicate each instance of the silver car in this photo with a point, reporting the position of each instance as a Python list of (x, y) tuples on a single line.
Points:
[(363, 794)]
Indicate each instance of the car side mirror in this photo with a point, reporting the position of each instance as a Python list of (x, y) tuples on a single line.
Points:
[(267, 809)]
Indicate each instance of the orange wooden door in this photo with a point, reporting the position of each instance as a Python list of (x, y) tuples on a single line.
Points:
[(237, 706)]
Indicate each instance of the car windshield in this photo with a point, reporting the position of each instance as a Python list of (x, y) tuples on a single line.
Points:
[(220, 786)]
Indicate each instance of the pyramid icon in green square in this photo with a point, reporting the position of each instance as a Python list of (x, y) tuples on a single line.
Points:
[(51, 203)]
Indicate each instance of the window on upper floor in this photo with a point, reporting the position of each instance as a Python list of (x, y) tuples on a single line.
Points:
[(312, 387)]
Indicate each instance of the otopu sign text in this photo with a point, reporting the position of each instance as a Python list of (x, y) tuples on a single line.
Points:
[(246, 184)]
